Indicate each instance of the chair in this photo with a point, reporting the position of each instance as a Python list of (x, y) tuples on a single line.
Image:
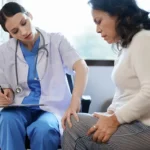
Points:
[(85, 104), (85, 100)]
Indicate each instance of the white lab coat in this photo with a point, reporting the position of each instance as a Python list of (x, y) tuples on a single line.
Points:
[(55, 92)]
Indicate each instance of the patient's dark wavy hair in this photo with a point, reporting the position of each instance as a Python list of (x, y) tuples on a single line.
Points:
[(9, 10), (130, 18)]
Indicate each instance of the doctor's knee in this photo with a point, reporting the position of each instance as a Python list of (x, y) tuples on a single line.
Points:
[(43, 130), (7, 117)]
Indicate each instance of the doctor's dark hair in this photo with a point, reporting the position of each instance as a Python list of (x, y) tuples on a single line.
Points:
[(9, 10), (130, 18)]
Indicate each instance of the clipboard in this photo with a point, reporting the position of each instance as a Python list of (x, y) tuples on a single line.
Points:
[(21, 105)]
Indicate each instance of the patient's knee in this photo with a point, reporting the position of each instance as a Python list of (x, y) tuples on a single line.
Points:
[(73, 122)]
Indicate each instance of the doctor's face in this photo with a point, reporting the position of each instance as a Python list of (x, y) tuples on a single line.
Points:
[(105, 25), (20, 27)]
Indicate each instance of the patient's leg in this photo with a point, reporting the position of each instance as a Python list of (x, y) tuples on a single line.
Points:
[(134, 136)]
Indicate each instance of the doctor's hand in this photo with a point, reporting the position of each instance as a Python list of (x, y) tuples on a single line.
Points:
[(104, 128), (7, 97), (73, 109)]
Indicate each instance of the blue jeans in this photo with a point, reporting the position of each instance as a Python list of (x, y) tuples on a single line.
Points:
[(41, 127)]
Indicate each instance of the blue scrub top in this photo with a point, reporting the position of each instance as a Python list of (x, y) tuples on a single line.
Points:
[(34, 85)]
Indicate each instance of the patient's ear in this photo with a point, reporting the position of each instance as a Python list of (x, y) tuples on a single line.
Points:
[(29, 15)]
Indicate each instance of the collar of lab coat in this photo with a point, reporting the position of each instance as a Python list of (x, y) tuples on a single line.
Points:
[(13, 42)]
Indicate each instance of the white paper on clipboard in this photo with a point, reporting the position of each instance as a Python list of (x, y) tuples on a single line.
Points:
[(21, 105)]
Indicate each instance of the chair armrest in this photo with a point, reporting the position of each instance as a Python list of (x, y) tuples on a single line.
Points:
[(85, 103)]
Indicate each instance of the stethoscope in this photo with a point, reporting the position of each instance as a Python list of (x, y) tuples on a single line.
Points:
[(18, 87)]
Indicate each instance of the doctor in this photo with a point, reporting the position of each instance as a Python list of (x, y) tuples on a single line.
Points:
[(33, 67)]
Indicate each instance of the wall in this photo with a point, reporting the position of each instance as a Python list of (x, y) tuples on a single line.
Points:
[(99, 87), (4, 36)]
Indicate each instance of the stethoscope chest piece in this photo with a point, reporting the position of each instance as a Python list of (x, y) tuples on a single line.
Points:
[(18, 90)]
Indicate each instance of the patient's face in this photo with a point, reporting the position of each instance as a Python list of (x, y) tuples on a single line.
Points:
[(20, 27), (105, 25)]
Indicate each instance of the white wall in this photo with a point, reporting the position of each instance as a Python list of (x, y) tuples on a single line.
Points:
[(4, 36), (100, 87)]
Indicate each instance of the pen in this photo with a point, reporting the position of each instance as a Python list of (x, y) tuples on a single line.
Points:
[(1, 89)]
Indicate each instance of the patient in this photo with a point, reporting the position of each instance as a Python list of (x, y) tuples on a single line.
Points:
[(127, 123)]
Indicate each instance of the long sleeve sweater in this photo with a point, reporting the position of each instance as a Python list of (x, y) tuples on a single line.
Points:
[(131, 76)]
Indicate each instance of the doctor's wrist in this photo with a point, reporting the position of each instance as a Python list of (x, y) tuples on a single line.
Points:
[(76, 95), (76, 98)]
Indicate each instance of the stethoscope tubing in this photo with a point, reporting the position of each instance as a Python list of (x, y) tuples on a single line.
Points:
[(18, 88)]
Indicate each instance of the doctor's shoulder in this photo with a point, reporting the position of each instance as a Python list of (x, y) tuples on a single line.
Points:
[(7, 46), (3, 47), (58, 38)]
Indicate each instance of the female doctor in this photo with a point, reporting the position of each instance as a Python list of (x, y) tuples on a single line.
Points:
[(33, 67)]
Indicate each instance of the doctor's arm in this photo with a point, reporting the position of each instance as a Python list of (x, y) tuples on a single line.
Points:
[(81, 75), (73, 63), (6, 98)]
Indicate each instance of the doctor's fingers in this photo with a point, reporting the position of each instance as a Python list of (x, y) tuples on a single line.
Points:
[(9, 93), (6, 92), (69, 120), (3, 96), (63, 121), (75, 115), (4, 101)]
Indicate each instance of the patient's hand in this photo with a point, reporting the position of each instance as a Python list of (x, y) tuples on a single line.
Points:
[(105, 127), (7, 97)]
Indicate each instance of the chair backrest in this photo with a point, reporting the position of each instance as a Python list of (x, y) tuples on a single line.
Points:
[(85, 100), (70, 82)]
